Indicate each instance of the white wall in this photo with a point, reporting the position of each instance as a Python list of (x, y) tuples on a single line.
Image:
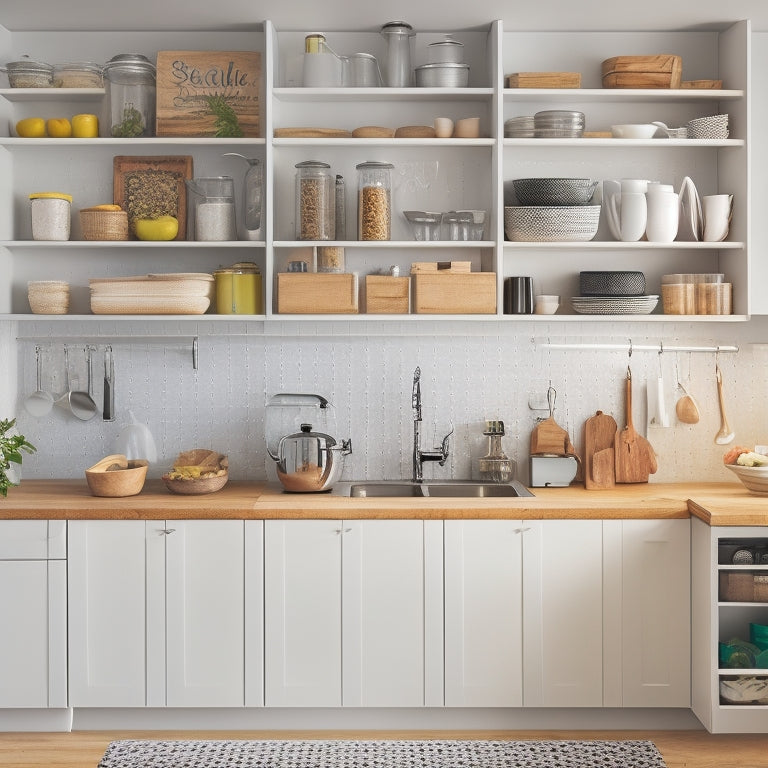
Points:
[(470, 372)]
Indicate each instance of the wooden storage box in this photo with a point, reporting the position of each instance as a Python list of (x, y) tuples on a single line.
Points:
[(387, 295), (544, 80), (316, 294), (454, 293), (659, 71)]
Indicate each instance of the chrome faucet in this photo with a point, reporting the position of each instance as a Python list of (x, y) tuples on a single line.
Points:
[(440, 454)]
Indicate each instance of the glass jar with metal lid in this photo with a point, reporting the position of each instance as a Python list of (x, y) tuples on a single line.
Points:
[(315, 201), (129, 79), (238, 289), (28, 73), (374, 200)]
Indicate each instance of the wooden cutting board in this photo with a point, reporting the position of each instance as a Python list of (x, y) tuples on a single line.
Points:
[(312, 133), (656, 71), (634, 456), (544, 80), (599, 433), (548, 437)]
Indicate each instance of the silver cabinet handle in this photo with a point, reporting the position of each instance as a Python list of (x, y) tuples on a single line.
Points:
[(343, 530), (166, 531)]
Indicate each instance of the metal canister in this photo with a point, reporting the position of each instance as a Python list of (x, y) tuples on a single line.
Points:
[(238, 289)]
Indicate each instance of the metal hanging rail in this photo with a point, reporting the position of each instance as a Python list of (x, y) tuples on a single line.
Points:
[(629, 347)]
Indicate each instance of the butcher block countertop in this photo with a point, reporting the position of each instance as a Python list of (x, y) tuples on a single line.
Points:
[(717, 504)]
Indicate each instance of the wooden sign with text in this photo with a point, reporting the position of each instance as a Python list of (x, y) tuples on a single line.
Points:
[(208, 93)]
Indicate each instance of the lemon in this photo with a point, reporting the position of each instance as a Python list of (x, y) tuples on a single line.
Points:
[(31, 128), (59, 128), (161, 228), (85, 126)]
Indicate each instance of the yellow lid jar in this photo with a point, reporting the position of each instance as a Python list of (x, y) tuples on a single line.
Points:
[(51, 215), (238, 289)]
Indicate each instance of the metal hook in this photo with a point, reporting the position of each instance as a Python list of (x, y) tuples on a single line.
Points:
[(661, 347), (630, 348)]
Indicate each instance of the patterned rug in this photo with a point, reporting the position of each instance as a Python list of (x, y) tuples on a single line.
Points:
[(134, 753)]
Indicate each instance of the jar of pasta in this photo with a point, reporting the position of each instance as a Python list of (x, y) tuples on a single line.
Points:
[(374, 201), (315, 201)]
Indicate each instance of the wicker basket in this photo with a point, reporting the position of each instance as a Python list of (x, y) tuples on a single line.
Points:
[(104, 225), (530, 223)]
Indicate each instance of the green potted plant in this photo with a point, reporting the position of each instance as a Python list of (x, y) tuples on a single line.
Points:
[(12, 446)]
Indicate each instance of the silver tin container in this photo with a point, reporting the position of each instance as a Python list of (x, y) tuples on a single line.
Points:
[(442, 75), (447, 51)]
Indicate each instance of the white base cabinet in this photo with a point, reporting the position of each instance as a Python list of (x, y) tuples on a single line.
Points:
[(567, 613), (158, 613), (33, 607), (353, 613)]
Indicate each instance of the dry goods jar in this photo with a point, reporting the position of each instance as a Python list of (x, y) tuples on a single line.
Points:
[(129, 81), (238, 289), (27, 73), (374, 200), (315, 201), (398, 35)]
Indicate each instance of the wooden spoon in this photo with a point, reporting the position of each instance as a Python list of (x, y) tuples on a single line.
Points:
[(686, 407), (724, 435)]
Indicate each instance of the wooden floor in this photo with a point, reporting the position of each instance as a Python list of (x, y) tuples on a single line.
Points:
[(681, 749)]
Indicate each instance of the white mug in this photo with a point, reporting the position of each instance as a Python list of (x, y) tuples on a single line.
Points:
[(717, 216), (443, 127), (627, 215), (634, 185), (663, 216)]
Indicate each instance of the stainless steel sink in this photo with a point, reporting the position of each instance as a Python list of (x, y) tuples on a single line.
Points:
[(456, 489)]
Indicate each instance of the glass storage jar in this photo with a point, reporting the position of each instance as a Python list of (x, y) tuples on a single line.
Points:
[(129, 80), (78, 74), (315, 201), (374, 200)]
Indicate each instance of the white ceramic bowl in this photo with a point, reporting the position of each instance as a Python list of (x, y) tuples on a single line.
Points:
[(633, 131), (754, 479), (546, 304)]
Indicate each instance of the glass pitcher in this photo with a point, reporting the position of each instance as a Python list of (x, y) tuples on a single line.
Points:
[(211, 208)]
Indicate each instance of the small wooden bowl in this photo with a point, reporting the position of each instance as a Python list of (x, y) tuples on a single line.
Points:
[(196, 487), (108, 478)]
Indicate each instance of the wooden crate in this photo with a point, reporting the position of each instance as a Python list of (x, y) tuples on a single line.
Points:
[(208, 93), (316, 294), (387, 295), (454, 293)]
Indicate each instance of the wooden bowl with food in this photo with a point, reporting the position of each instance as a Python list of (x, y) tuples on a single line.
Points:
[(196, 472)]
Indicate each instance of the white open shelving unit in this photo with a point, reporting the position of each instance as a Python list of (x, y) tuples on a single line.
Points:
[(430, 174)]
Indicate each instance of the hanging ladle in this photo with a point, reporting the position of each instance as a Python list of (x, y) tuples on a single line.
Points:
[(40, 402), (80, 404), (686, 408), (724, 435)]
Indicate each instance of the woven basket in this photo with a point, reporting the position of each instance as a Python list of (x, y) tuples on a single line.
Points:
[(527, 223), (104, 225)]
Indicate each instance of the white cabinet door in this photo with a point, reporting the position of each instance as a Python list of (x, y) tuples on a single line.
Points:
[(384, 630), (205, 595), (33, 641), (302, 612), (648, 604), (563, 613), (483, 613), (107, 613), (360, 586)]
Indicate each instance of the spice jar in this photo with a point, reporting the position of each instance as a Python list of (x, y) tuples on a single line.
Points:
[(129, 80), (238, 289), (315, 201), (374, 201), (50, 213)]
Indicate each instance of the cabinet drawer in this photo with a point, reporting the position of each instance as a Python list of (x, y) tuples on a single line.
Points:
[(33, 540)]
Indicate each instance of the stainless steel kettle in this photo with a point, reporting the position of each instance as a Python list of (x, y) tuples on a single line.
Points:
[(307, 461)]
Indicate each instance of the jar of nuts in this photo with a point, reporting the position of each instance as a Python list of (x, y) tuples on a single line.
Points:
[(374, 201), (315, 201)]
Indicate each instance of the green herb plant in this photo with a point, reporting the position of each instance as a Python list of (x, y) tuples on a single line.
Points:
[(226, 122), (11, 448), (131, 125)]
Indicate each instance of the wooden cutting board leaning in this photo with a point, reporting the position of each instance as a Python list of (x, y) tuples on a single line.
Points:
[(599, 433), (633, 454)]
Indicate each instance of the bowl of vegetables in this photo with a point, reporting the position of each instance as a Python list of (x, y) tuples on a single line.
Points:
[(750, 467)]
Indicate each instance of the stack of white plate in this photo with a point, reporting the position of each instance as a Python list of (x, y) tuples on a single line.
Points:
[(179, 293), (614, 305)]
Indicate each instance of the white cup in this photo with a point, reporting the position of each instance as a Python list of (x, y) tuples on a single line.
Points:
[(634, 185), (443, 127), (627, 215), (717, 216), (467, 128), (663, 216)]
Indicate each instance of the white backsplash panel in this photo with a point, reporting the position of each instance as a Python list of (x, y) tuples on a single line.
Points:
[(469, 373)]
